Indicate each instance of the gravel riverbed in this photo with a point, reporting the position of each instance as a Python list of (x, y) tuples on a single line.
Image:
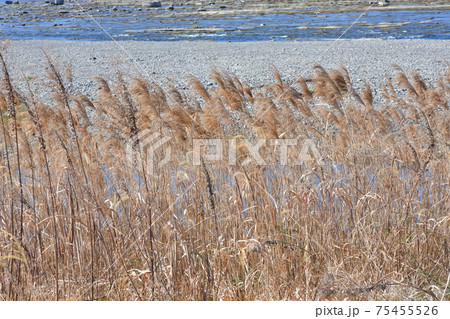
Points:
[(250, 61)]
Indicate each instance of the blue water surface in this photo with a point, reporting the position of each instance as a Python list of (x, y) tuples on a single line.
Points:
[(69, 22)]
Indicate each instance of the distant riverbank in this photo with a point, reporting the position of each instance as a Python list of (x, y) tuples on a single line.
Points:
[(269, 6)]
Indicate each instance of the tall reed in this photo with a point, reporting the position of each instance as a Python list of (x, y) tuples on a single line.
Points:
[(366, 219)]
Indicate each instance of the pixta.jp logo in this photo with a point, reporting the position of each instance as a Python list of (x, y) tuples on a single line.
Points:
[(142, 151), (149, 151)]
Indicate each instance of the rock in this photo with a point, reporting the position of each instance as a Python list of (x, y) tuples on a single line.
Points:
[(201, 9), (8, 2), (380, 3), (170, 8), (57, 2), (222, 7), (155, 4), (114, 9)]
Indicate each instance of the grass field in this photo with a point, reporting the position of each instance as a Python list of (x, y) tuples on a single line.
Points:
[(366, 217)]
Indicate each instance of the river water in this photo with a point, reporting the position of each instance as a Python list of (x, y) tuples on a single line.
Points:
[(73, 22)]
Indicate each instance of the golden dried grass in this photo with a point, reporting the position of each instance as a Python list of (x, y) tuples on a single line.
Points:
[(370, 222)]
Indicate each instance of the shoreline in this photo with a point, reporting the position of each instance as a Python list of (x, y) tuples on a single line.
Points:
[(165, 62), (232, 8)]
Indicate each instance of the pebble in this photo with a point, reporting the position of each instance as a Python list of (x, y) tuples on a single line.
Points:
[(178, 59), (155, 4)]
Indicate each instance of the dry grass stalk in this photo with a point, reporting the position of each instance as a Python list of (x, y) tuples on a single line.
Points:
[(86, 225)]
